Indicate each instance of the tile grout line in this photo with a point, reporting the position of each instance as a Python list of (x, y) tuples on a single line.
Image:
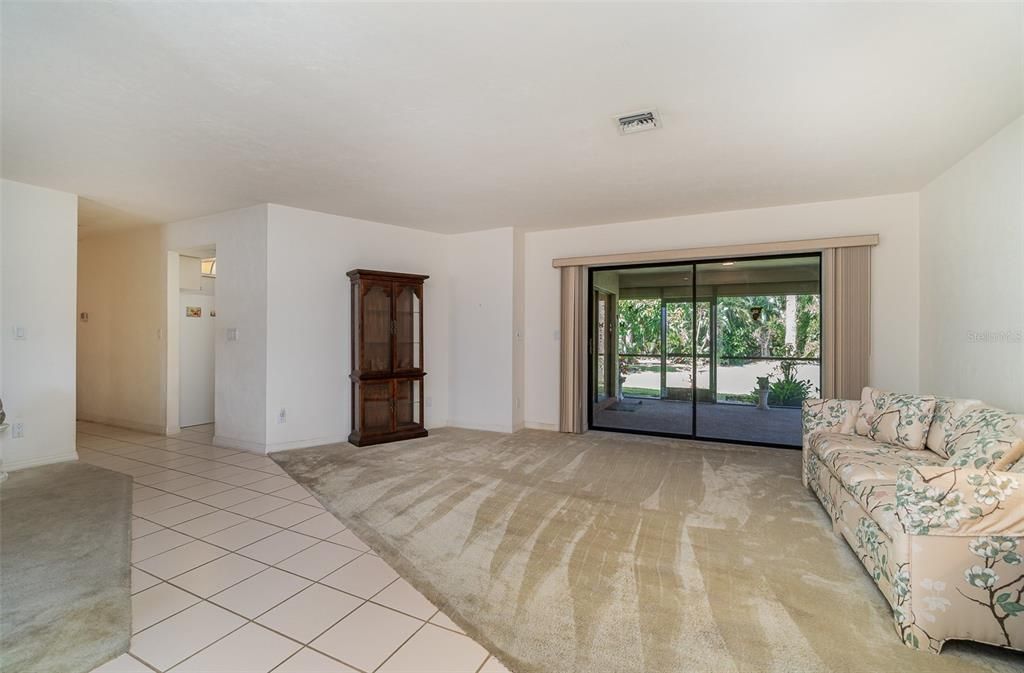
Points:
[(232, 486), (249, 620), (361, 554), (252, 620), (238, 550), (312, 582), (220, 509), (395, 651)]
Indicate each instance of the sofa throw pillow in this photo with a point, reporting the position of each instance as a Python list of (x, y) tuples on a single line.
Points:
[(895, 418), (988, 452), (1018, 466), (1012, 457), (982, 437), (947, 412)]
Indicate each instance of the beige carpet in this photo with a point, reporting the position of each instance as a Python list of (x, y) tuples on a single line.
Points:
[(65, 583), (608, 553)]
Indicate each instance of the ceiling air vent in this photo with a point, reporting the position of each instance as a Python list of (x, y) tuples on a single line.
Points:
[(637, 122)]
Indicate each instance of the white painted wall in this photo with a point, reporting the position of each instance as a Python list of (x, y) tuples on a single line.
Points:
[(518, 329), (39, 229), (120, 348), (240, 237), (894, 363), (171, 346), (197, 342), (309, 318), (3, 327), (190, 273), (282, 284), (972, 275), (481, 280)]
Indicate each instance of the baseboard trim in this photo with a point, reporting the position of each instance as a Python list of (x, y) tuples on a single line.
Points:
[(306, 443), (124, 423), (533, 425), (469, 425), (44, 460), (240, 444)]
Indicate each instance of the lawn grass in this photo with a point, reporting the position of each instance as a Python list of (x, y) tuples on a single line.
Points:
[(641, 392)]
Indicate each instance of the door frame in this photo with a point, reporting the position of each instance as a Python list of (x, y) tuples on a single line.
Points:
[(611, 346)]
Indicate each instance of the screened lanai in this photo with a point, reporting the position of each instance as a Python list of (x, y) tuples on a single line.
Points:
[(719, 349)]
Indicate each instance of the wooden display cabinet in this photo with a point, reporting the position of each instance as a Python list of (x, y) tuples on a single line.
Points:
[(387, 356)]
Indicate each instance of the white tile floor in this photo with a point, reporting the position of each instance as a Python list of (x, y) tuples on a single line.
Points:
[(236, 568)]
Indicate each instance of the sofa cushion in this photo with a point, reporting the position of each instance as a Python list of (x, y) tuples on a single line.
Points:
[(854, 465), (983, 436), (822, 444), (895, 418), (868, 470), (947, 412)]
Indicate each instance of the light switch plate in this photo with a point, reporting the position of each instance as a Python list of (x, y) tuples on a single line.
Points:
[(232, 334)]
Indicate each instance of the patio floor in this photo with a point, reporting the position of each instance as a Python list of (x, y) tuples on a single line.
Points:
[(716, 421)]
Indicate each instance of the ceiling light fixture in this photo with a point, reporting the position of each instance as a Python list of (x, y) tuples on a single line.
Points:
[(728, 263), (636, 122)]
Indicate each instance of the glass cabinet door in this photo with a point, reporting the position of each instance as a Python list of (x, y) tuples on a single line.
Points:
[(407, 403), (377, 408), (377, 327), (408, 327)]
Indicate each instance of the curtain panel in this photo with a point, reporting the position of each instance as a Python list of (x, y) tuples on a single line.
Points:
[(573, 339), (846, 321)]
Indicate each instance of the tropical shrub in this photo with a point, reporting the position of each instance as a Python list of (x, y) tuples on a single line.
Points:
[(788, 392)]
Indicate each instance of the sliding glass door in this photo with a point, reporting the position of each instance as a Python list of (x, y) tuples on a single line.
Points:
[(722, 350), (767, 347), (653, 350)]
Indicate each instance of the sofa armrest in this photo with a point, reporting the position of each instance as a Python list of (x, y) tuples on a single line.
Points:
[(829, 416), (826, 416), (940, 500)]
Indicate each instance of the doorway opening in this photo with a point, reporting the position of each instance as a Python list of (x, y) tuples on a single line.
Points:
[(197, 319), (718, 349)]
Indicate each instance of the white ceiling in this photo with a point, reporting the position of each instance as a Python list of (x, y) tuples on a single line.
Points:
[(456, 117)]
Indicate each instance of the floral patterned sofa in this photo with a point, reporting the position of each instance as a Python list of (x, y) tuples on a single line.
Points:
[(929, 493)]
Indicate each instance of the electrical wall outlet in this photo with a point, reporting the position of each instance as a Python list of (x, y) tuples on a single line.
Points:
[(17, 431), (282, 416), (232, 334)]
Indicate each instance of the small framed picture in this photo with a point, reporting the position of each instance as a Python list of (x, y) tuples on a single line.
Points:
[(193, 312)]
